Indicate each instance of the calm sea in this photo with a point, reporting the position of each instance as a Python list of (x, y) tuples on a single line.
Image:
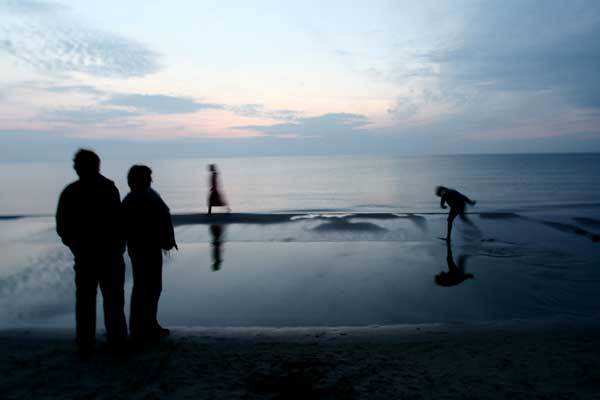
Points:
[(359, 184)]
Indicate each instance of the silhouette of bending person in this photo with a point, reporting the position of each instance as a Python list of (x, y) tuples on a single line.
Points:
[(215, 198), (456, 273), (457, 202), (88, 220), (148, 231), (216, 232)]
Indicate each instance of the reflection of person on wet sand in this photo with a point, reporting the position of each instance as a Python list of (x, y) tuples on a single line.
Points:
[(216, 232), (215, 198), (457, 202), (456, 273)]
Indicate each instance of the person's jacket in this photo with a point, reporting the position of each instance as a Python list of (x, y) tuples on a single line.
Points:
[(88, 218), (148, 222)]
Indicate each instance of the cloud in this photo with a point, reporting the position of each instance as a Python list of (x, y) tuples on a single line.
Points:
[(258, 110), (86, 89), (160, 104), (89, 116), (527, 46), (29, 6), (42, 35), (326, 125)]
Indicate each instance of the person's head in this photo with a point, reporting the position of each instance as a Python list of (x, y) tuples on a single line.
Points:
[(86, 163), (139, 178), (212, 167), (440, 190)]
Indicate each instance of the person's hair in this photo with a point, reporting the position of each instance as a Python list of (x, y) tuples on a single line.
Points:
[(139, 177), (212, 167), (86, 163), (440, 189)]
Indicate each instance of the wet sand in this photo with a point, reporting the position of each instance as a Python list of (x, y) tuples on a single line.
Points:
[(293, 270), (558, 359)]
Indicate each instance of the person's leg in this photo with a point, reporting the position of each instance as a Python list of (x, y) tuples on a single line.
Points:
[(147, 286), (136, 311), (86, 283), (468, 220), (209, 209), (451, 216), (155, 289), (112, 282)]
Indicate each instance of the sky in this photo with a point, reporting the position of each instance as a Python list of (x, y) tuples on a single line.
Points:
[(174, 79)]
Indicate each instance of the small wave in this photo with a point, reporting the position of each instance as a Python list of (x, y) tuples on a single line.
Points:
[(591, 222), (557, 206), (574, 229), (346, 226), (11, 217), (499, 215), (320, 216)]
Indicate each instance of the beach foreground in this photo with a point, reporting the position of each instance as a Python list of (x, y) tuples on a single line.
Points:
[(519, 360)]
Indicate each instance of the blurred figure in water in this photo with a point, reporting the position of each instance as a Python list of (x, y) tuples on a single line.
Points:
[(457, 202), (216, 232), (215, 198), (88, 220), (456, 273), (148, 231)]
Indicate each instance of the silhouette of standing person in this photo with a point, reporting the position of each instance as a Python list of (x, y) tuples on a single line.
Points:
[(148, 231), (457, 202), (88, 220), (456, 273), (215, 198)]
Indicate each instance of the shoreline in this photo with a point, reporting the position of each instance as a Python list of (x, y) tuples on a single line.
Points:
[(516, 325)]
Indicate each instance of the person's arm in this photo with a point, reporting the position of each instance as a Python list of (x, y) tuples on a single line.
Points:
[(468, 200), (63, 220), (167, 227), (119, 217), (443, 202)]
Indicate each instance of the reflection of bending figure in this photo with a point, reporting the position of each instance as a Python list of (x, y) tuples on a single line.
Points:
[(216, 232), (456, 273)]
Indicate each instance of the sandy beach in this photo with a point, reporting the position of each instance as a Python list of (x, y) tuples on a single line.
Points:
[(558, 359)]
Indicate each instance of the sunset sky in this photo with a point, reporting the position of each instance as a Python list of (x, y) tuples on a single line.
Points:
[(190, 78)]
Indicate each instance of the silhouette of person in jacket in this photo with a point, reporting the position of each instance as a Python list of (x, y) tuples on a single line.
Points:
[(148, 231), (457, 202), (88, 220)]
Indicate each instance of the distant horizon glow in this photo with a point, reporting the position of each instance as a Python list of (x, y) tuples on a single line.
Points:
[(305, 78)]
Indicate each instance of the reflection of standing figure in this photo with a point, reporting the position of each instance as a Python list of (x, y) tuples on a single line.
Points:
[(217, 232), (456, 273), (215, 198)]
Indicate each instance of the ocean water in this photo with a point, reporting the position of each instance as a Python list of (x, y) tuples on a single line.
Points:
[(358, 184), (333, 241)]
